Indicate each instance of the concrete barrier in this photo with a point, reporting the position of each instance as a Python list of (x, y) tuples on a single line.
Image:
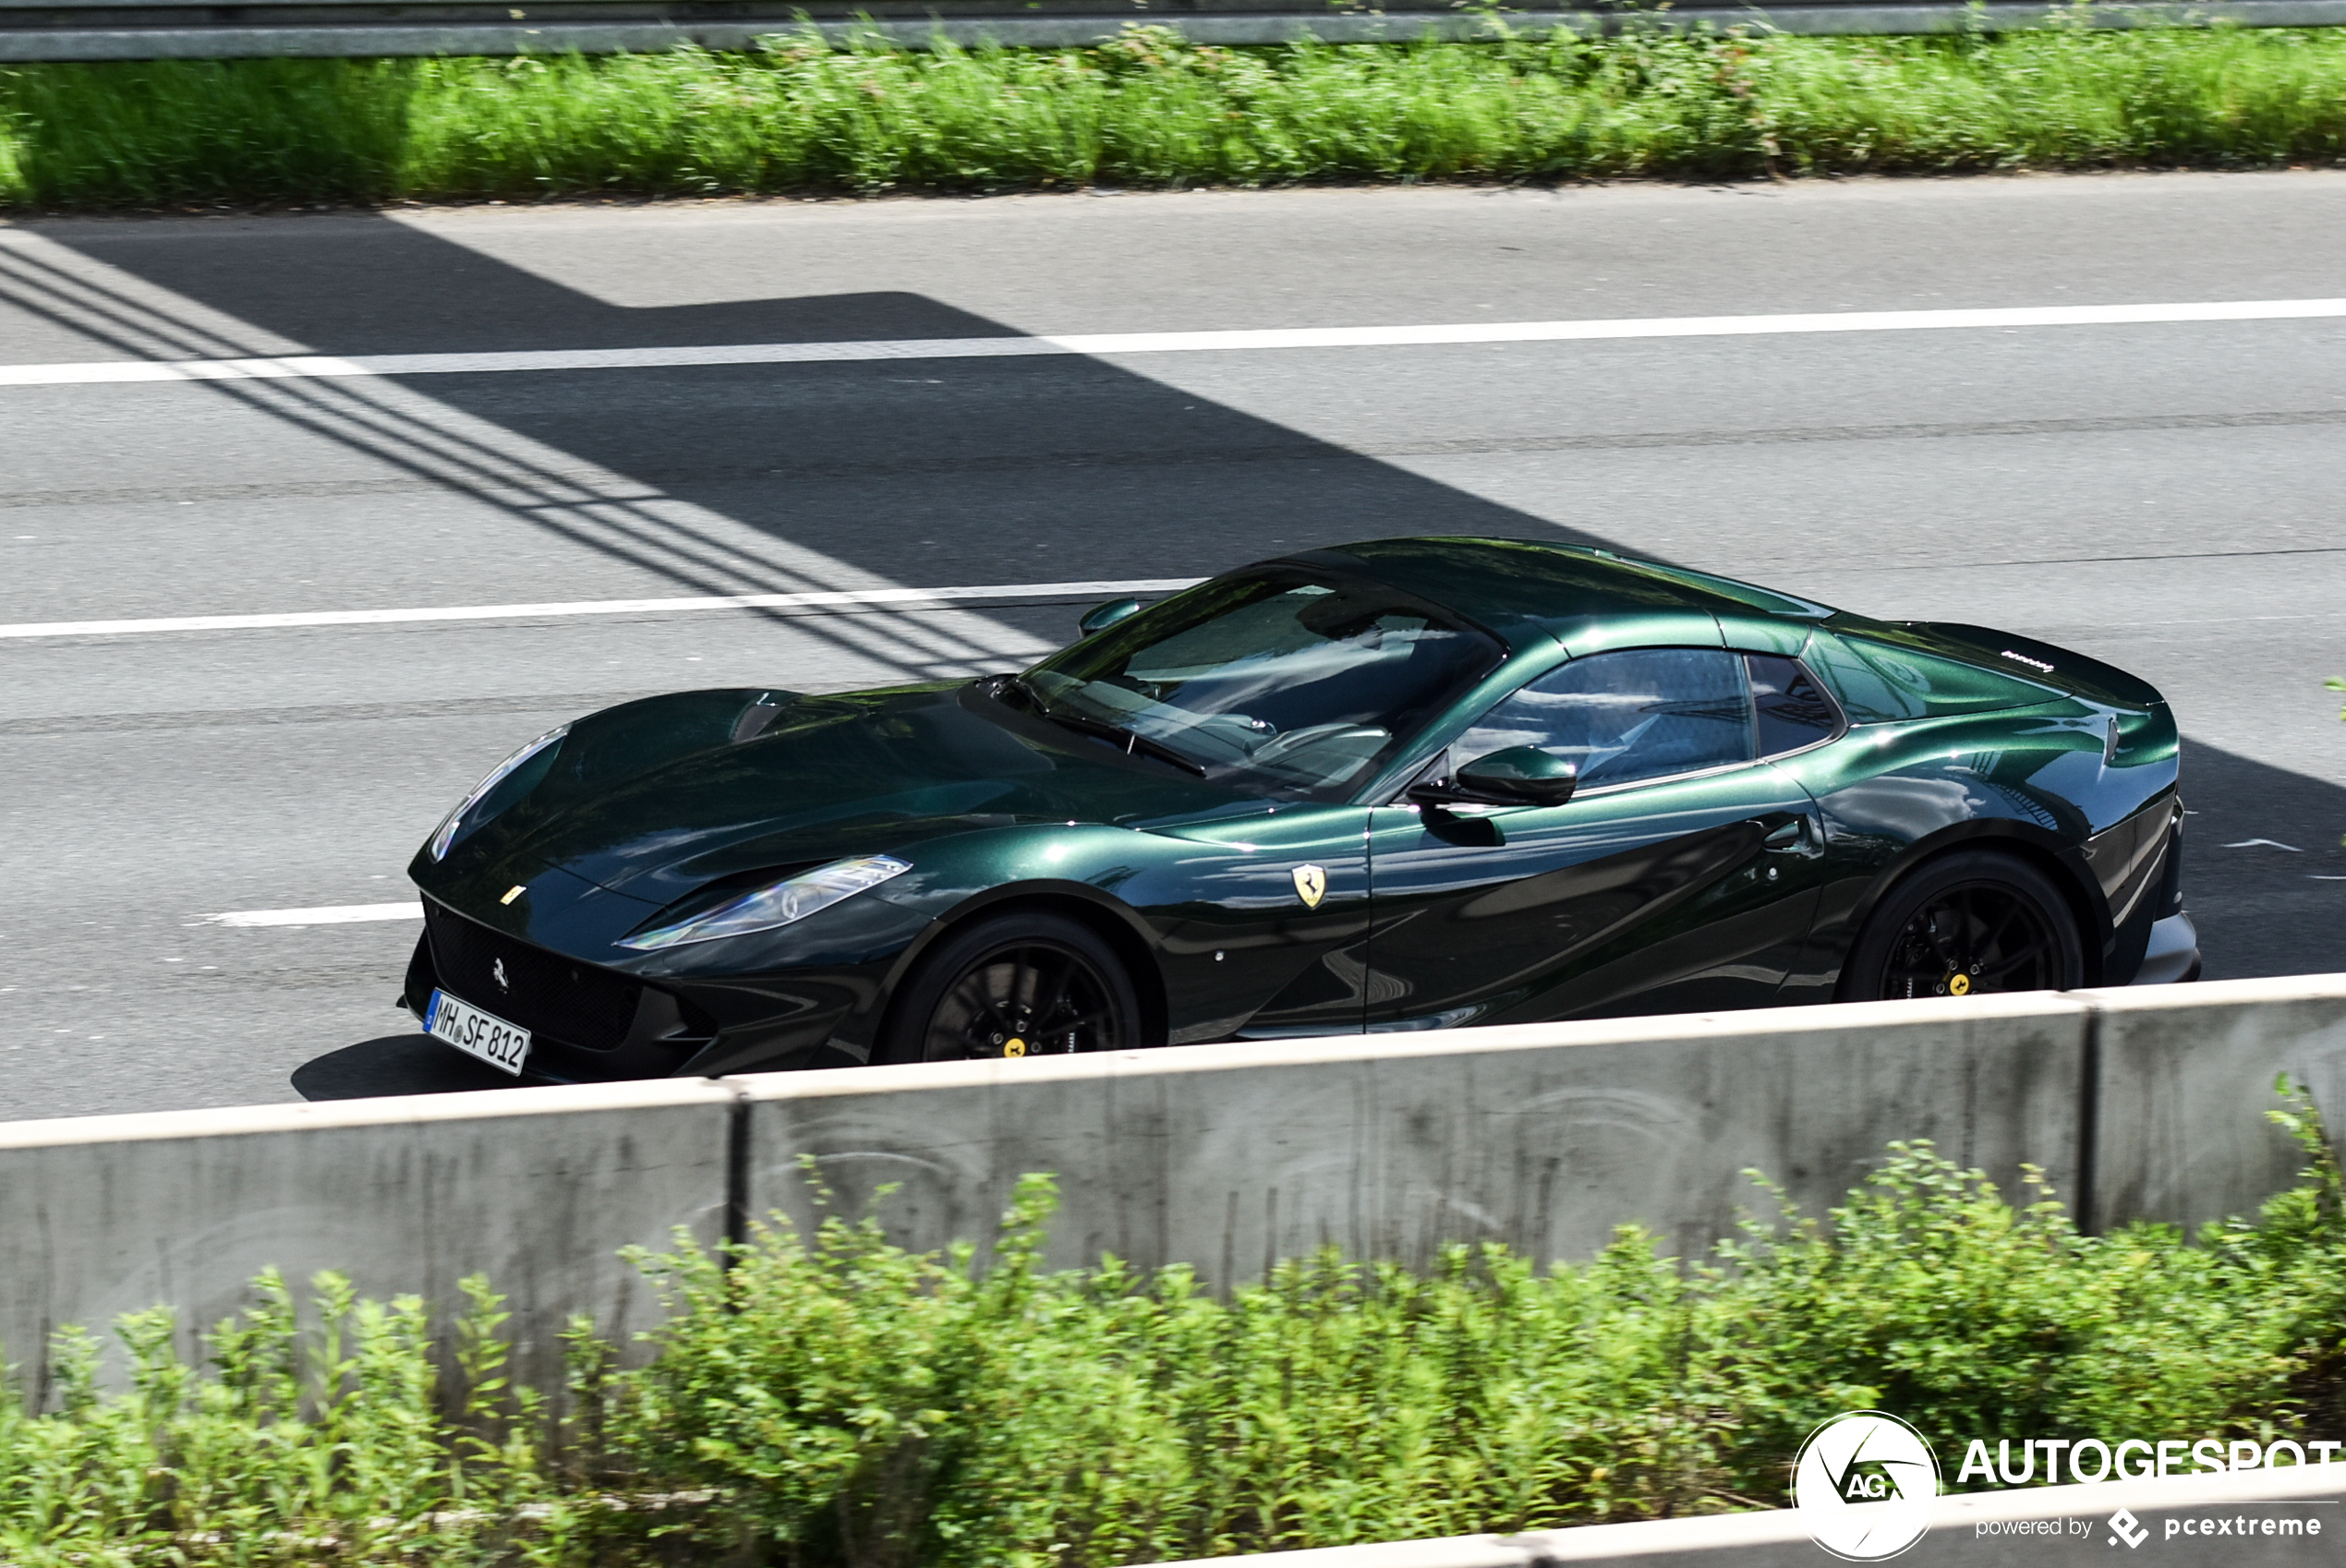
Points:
[(1224, 1157), (1228, 1157), (1994, 1529), (2184, 1078), (538, 1189)]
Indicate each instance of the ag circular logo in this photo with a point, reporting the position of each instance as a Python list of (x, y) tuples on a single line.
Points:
[(1866, 1485)]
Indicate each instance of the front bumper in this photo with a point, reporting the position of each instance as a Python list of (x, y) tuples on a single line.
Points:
[(616, 1029), (590, 1024), (2172, 955)]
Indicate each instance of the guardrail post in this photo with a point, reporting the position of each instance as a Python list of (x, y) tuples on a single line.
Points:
[(2082, 1206), (737, 1134)]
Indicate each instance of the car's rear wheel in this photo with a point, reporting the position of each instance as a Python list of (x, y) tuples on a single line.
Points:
[(1972, 924), (1017, 985)]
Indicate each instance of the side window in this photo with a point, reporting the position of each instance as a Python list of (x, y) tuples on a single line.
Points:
[(1642, 713), (1793, 708)]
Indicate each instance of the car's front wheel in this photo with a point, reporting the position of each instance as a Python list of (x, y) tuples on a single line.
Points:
[(1024, 983), (1973, 923)]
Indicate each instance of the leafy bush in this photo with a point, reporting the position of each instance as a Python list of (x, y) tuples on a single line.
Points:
[(832, 1399), (293, 1448), (1150, 109)]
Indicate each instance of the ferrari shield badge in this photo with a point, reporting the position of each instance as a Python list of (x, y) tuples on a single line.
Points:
[(1310, 886)]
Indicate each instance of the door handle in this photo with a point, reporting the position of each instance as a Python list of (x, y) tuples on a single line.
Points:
[(1783, 836)]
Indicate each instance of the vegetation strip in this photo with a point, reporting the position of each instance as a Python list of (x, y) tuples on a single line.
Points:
[(1152, 110), (836, 1400)]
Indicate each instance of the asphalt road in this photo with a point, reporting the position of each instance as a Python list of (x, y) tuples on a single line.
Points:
[(2166, 496)]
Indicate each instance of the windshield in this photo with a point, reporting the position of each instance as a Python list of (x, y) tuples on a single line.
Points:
[(1283, 681)]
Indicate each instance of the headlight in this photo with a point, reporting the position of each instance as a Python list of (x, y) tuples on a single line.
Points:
[(779, 905), (447, 832)]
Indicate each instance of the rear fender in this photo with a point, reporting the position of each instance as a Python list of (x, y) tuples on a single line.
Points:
[(2066, 863), (2039, 783)]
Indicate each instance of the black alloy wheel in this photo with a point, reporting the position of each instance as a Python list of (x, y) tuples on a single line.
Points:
[(1019, 985), (1972, 924)]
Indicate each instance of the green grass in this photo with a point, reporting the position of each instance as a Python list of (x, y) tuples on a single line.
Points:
[(831, 1399), (1150, 111)]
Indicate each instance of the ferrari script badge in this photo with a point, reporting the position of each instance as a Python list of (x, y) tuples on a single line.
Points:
[(1310, 886)]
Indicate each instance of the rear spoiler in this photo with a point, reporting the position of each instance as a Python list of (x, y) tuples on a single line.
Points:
[(2032, 660)]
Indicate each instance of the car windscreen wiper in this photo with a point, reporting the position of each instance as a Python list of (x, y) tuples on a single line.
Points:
[(1131, 740)]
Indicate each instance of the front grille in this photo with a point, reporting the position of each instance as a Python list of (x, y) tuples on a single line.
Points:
[(544, 993)]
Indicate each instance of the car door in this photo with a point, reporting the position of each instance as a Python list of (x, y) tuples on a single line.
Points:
[(1271, 936), (1680, 876)]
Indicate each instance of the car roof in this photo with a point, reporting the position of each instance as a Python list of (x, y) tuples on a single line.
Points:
[(1512, 586)]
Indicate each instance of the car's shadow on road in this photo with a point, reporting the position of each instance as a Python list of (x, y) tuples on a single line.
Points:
[(2264, 872), (395, 1064)]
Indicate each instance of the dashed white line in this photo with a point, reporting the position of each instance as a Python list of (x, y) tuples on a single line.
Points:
[(328, 914), (842, 598), (304, 367)]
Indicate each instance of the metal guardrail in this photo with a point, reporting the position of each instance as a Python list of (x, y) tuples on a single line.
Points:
[(150, 29)]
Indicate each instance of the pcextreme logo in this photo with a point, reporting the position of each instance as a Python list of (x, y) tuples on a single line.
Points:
[(1866, 1485)]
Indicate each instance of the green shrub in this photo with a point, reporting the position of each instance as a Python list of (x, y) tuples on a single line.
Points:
[(832, 1399), (1150, 109), (291, 1448), (1100, 1418)]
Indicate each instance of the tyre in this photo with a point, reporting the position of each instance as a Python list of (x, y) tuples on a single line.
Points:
[(1019, 984), (1975, 922)]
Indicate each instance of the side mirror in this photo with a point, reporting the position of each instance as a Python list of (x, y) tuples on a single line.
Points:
[(1100, 617), (1519, 776)]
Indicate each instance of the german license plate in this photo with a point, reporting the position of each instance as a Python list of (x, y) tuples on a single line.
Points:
[(500, 1044)]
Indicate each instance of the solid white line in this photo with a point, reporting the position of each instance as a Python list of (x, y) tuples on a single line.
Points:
[(330, 914), (312, 367), (589, 607)]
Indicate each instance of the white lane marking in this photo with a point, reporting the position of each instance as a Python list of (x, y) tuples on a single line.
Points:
[(590, 607), (329, 914), (311, 366)]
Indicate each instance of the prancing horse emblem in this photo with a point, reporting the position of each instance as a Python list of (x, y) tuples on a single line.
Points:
[(498, 969), (1310, 886)]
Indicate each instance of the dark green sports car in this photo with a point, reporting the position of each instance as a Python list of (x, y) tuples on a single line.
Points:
[(1409, 784)]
